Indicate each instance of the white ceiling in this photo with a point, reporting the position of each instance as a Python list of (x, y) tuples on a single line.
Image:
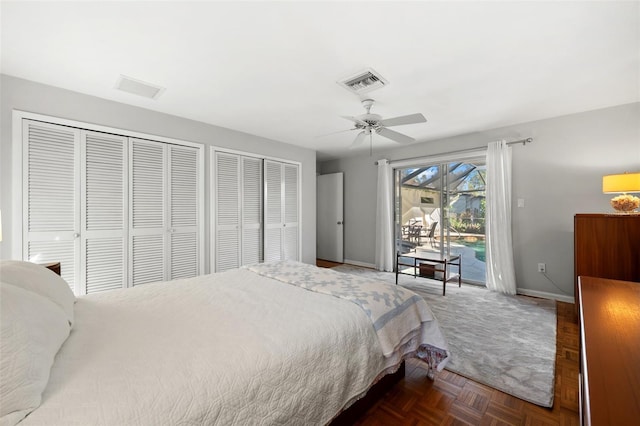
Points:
[(269, 68)]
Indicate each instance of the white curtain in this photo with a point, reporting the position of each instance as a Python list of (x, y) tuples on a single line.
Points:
[(499, 251), (384, 218)]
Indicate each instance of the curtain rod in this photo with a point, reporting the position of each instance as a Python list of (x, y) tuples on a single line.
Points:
[(522, 141)]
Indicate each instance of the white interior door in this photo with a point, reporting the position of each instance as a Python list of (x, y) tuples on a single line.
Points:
[(183, 212), (103, 215), (227, 211), (237, 211), (290, 215), (273, 219), (148, 261), (330, 219), (50, 211), (281, 212), (251, 226)]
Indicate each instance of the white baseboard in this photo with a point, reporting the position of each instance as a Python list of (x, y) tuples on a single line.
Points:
[(546, 295), (357, 263)]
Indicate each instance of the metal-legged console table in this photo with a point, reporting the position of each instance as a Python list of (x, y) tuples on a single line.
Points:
[(433, 260)]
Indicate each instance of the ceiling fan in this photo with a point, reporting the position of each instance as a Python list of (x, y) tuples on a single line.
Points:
[(369, 123)]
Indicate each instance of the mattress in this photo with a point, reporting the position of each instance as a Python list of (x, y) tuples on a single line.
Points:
[(231, 348)]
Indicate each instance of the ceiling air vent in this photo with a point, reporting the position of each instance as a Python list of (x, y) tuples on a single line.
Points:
[(138, 87), (363, 82)]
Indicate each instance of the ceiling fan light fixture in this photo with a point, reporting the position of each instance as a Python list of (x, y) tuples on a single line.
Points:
[(363, 81), (370, 123)]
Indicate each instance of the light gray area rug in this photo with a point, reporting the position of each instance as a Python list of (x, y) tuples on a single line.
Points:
[(505, 342)]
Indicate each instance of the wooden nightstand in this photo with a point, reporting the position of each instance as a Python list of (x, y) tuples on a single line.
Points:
[(54, 266)]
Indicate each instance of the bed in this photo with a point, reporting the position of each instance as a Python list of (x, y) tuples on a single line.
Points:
[(276, 343)]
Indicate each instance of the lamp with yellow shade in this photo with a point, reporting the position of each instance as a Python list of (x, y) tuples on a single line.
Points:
[(622, 184)]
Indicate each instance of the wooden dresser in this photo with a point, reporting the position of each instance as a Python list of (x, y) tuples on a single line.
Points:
[(53, 266), (609, 352), (606, 246)]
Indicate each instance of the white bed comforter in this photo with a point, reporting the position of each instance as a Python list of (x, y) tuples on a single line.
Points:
[(232, 349)]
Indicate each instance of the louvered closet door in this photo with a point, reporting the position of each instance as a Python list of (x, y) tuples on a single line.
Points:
[(227, 211), (51, 221), (147, 212), (251, 210), (104, 212), (183, 215), (273, 213), (281, 211), (291, 214)]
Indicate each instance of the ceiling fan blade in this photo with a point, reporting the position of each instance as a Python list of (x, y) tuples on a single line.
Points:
[(355, 120), (404, 119), (335, 133), (358, 140), (394, 136)]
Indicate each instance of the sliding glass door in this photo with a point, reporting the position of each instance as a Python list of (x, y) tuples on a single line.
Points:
[(441, 208)]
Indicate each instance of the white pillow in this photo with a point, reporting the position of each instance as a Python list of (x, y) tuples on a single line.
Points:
[(33, 329), (40, 280)]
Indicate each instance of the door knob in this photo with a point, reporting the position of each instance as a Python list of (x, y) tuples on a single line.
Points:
[(339, 223)]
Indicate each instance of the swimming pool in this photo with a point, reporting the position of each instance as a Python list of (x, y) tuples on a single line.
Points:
[(477, 244)]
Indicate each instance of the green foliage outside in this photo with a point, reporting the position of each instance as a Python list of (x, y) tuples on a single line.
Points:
[(470, 224), (466, 226)]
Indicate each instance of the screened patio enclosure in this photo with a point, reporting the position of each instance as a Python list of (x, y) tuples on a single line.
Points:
[(441, 208)]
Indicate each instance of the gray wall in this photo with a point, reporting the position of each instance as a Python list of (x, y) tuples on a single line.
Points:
[(558, 175), (33, 97)]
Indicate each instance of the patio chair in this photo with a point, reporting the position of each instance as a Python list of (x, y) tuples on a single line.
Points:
[(431, 233), (414, 233)]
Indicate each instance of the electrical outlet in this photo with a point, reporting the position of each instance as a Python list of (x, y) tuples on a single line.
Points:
[(542, 267)]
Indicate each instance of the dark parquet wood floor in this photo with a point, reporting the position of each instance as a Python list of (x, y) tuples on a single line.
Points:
[(455, 400)]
